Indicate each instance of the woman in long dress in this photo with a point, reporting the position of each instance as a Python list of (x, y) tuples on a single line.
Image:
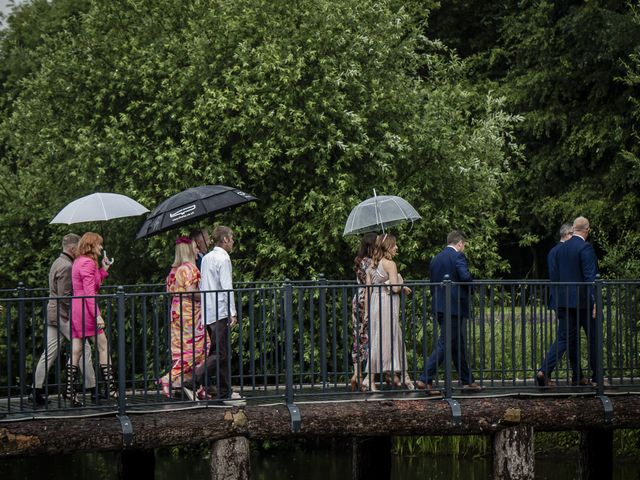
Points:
[(187, 331), (387, 351), (359, 317)]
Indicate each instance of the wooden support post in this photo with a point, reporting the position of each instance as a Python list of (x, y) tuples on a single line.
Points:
[(230, 459), (513, 454), (137, 464), (371, 458), (596, 454)]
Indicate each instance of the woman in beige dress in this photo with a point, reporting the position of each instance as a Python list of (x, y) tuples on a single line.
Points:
[(387, 352)]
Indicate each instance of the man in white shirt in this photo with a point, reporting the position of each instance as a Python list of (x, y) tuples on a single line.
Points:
[(218, 304)]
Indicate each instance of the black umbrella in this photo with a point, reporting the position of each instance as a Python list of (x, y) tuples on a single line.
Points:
[(191, 205)]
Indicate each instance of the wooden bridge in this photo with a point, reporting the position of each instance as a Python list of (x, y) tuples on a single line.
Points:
[(292, 364)]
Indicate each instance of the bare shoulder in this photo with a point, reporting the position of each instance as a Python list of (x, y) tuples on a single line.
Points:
[(389, 265)]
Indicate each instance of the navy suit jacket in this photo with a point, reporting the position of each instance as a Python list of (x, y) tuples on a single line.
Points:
[(575, 262), (453, 263)]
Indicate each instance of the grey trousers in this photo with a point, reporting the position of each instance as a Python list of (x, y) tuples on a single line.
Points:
[(53, 341)]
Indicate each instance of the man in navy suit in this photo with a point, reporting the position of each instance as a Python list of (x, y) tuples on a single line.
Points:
[(574, 262), (560, 345), (450, 261)]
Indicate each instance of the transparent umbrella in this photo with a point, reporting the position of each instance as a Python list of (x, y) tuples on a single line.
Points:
[(379, 212)]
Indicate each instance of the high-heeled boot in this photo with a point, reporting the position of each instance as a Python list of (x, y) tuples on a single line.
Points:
[(109, 380), (73, 372)]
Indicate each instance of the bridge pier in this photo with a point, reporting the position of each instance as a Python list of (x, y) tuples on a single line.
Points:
[(513, 453), (230, 459), (596, 454), (371, 458)]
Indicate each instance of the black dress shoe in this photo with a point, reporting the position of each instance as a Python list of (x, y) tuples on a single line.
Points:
[(541, 379)]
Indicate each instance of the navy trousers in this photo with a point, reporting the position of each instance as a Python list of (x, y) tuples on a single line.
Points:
[(567, 340), (458, 351)]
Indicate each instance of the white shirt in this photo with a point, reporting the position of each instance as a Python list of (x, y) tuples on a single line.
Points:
[(216, 275)]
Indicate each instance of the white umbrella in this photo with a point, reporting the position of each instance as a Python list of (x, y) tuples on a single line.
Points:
[(378, 213), (97, 207)]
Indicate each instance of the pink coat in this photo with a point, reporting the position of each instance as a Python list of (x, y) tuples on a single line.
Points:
[(86, 278)]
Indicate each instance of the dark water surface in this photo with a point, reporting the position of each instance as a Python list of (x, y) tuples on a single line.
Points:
[(320, 464)]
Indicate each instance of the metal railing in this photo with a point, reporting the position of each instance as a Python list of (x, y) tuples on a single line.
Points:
[(295, 341)]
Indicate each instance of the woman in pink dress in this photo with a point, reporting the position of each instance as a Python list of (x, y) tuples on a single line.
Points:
[(86, 319), (187, 331)]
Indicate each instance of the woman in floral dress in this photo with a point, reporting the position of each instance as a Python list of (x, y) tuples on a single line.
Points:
[(359, 317), (187, 331)]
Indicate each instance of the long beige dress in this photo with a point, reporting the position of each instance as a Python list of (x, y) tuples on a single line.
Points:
[(387, 351)]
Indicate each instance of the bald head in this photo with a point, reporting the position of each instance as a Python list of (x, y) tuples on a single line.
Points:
[(581, 226)]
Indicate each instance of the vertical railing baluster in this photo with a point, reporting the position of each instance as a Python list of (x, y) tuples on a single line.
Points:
[(323, 329)]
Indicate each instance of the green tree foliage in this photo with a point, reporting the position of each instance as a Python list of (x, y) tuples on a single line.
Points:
[(561, 64), (309, 105)]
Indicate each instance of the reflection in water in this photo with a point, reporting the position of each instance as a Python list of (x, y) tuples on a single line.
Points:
[(291, 464)]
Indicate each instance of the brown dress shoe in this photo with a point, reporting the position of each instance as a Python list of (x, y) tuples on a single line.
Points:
[(420, 385), (471, 387)]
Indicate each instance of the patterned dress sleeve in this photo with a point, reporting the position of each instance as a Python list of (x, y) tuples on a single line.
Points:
[(171, 280), (186, 276)]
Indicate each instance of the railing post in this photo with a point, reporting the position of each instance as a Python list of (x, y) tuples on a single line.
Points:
[(21, 340), (288, 338), (599, 339), (127, 428), (447, 337), (122, 405), (322, 282), (456, 414)]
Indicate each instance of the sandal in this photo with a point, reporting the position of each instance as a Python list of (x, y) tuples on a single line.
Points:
[(367, 386), (166, 388)]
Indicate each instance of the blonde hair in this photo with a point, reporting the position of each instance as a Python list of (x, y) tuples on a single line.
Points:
[(87, 245), (384, 244), (185, 252)]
